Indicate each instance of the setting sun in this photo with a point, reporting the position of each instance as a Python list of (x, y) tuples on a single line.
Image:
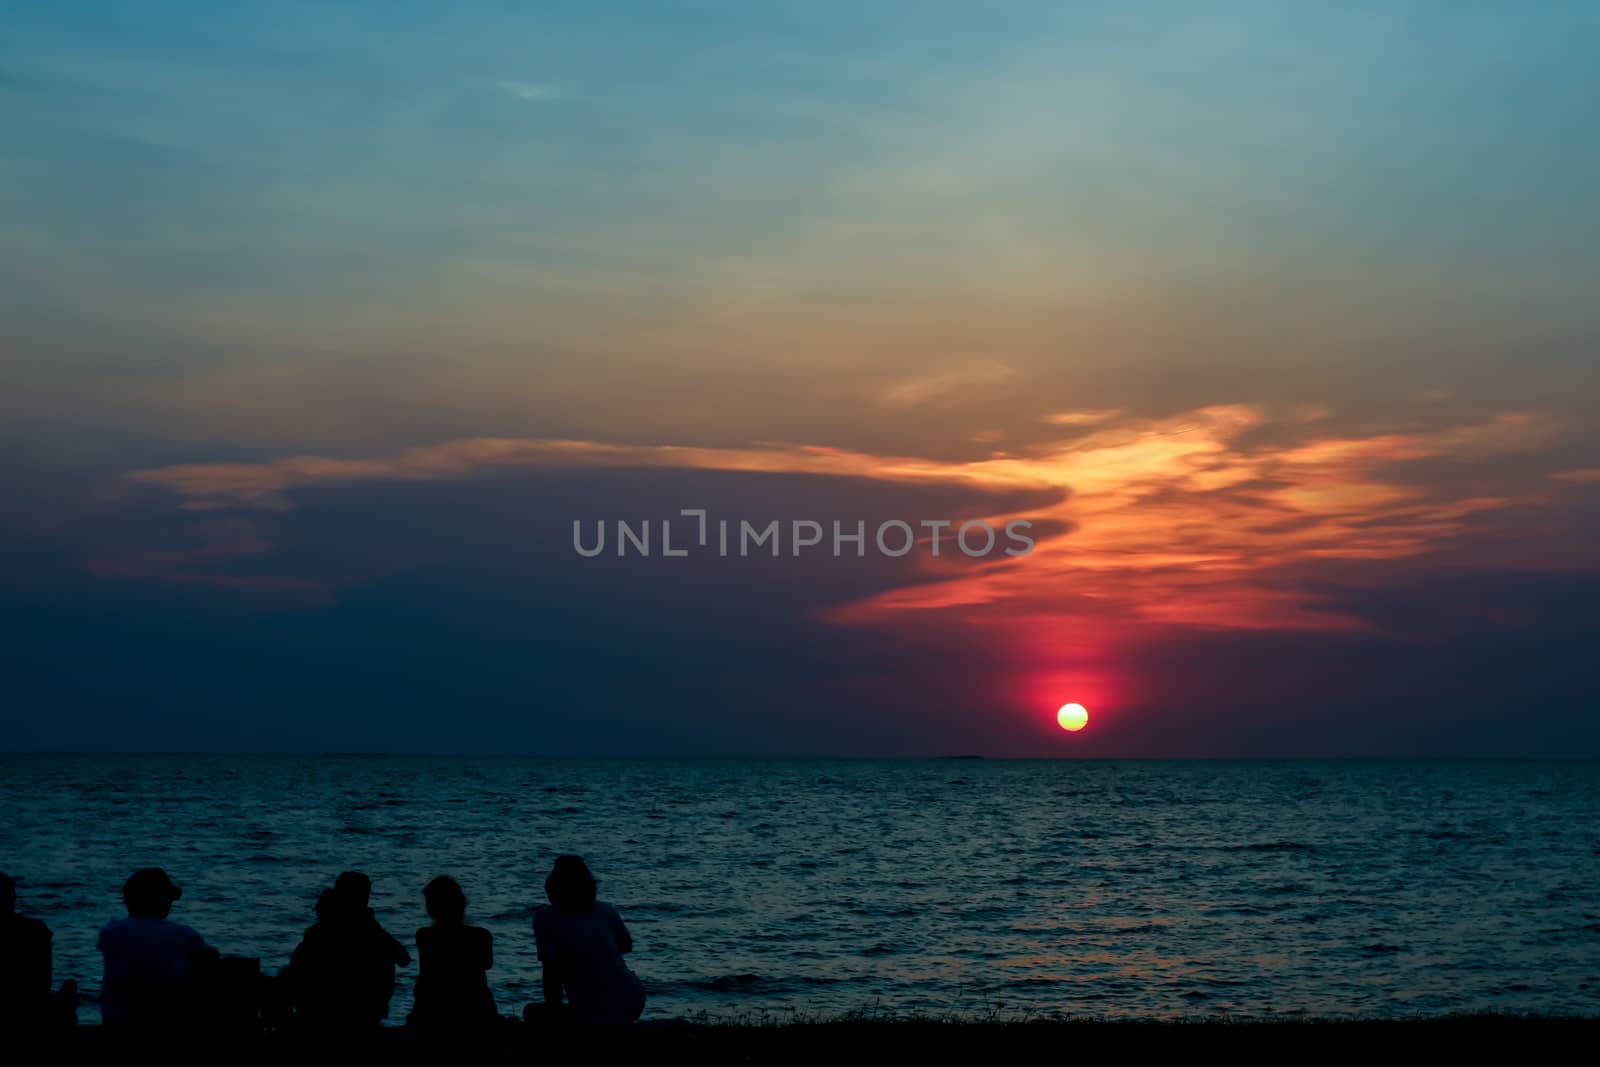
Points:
[(1073, 717)]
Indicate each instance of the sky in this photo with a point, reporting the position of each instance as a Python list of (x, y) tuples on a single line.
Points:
[(322, 324)]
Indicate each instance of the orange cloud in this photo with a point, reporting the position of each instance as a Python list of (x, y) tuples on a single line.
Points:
[(211, 546), (1180, 522), (1196, 520), (1081, 418)]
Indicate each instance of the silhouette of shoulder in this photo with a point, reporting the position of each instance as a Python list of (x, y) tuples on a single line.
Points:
[(472, 943), (389, 944), (24, 928), (555, 930), (148, 935), (24, 956), (427, 934)]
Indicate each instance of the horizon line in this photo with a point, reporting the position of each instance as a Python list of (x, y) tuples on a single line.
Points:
[(799, 758)]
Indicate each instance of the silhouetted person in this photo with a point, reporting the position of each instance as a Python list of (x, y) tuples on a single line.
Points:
[(452, 980), (581, 942), (342, 974), (25, 961), (148, 957), (26, 964)]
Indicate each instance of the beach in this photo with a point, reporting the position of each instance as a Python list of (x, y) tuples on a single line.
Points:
[(929, 1041)]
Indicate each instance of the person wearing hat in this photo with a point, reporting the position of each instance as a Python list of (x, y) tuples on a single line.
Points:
[(147, 955)]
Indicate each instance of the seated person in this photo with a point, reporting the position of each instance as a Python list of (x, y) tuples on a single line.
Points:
[(581, 942), (25, 966), (148, 957), (342, 975), (452, 983)]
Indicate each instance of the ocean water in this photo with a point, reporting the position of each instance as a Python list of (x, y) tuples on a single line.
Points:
[(764, 888)]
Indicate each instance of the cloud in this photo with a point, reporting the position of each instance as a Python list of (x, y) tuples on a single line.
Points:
[(209, 486), (1197, 520), (944, 387), (210, 556), (533, 92), (1081, 418), (1188, 521)]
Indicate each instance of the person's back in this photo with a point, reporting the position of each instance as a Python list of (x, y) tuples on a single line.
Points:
[(581, 942), (342, 975), (452, 980), (320, 990), (147, 956), (25, 961)]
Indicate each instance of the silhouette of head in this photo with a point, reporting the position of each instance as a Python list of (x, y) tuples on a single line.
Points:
[(354, 888), (571, 887), (327, 905), (8, 894), (446, 902), (149, 893)]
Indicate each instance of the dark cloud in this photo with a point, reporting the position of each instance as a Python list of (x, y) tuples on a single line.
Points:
[(455, 617)]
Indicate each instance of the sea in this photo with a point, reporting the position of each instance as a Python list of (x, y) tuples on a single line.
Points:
[(768, 890)]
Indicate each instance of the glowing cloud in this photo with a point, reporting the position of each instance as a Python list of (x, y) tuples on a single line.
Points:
[(1197, 520), (945, 387)]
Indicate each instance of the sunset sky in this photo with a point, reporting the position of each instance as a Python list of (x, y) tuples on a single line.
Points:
[(320, 324)]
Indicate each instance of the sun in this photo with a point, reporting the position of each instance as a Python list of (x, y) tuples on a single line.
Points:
[(1072, 717)]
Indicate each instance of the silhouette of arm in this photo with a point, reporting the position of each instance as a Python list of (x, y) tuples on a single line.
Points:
[(196, 952), (397, 952), (43, 964), (544, 945), (294, 971), (486, 950), (624, 939)]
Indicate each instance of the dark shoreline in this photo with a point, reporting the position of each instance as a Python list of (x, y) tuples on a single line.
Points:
[(939, 1041)]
